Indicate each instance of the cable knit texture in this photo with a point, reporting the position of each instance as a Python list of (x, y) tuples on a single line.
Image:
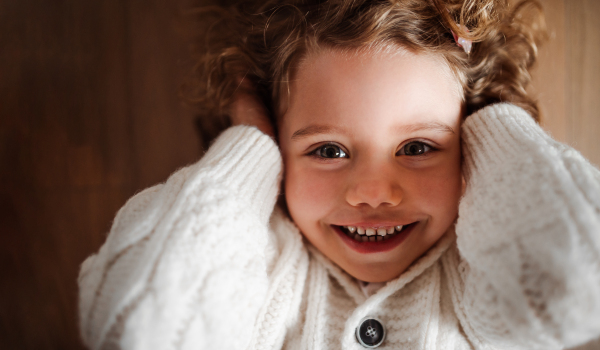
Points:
[(206, 260)]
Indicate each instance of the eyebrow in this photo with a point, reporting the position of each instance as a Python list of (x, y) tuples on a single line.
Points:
[(316, 129), (435, 126)]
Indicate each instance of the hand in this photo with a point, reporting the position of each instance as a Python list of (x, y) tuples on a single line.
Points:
[(248, 109)]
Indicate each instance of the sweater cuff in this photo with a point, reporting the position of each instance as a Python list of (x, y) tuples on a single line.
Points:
[(248, 162), (508, 162), (497, 134)]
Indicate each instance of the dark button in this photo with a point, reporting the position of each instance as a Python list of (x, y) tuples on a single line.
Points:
[(370, 333)]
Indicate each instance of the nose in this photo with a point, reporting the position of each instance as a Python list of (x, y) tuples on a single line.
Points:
[(374, 186)]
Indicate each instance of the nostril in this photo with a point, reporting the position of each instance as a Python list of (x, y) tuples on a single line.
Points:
[(374, 188)]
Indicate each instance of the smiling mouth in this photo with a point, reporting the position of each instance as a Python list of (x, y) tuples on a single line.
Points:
[(371, 234)]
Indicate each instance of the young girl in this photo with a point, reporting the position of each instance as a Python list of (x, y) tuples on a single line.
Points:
[(416, 212)]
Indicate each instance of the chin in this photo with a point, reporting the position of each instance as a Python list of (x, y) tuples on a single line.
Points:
[(374, 274)]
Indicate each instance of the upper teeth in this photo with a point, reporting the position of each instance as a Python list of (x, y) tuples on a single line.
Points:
[(371, 231)]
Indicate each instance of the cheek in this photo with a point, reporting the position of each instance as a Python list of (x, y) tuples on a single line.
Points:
[(310, 194), (438, 191)]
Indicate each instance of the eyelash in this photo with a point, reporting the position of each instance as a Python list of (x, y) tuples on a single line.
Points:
[(314, 153), (428, 149)]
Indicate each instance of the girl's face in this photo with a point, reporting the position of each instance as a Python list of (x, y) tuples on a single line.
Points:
[(371, 142)]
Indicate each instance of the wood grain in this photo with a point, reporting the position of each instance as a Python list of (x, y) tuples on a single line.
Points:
[(567, 79), (89, 115), (549, 75), (582, 47)]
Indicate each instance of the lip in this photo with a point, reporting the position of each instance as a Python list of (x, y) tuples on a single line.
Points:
[(375, 247)]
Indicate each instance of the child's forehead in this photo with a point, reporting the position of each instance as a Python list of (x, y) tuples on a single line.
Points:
[(371, 64), (319, 62), (344, 87)]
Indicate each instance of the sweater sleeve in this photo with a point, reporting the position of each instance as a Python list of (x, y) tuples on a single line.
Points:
[(528, 236), (186, 257)]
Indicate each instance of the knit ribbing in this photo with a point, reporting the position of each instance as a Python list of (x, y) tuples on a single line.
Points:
[(248, 162), (529, 235), (286, 285)]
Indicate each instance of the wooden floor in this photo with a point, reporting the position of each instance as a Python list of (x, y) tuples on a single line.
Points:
[(567, 80), (89, 115)]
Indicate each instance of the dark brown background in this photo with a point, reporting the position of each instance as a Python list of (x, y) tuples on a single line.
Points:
[(89, 114)]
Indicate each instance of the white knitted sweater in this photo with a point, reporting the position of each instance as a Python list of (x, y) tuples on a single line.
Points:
[(204, 261)]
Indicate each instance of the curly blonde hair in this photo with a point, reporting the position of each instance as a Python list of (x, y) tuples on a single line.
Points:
[(263, 41)]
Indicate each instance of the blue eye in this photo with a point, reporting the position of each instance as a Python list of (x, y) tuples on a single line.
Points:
[(415, 148), (330, 151)]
